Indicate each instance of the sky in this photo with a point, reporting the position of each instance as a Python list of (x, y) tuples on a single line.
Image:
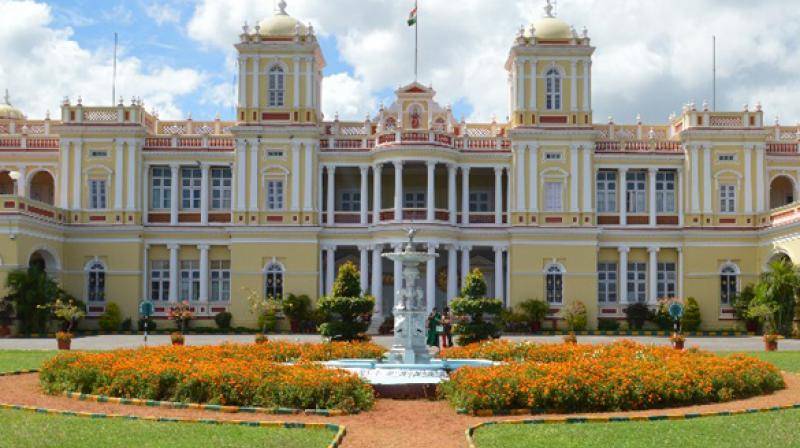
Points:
[(651, 58)]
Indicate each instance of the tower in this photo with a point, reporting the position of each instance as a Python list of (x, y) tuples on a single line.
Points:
[(280, 72), (549, 69)]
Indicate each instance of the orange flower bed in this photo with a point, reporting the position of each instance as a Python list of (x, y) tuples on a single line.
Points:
[(238, 375), (593, 378)]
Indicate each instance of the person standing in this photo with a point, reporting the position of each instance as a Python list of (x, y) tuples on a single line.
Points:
[(447, 327), (434, 322)]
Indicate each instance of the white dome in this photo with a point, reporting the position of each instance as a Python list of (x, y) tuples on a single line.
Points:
[(281, 24)]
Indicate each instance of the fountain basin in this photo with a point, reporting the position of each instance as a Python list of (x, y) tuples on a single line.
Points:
[(405, 381)]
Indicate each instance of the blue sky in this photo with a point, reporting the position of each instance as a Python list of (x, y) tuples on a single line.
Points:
[(652, 56)]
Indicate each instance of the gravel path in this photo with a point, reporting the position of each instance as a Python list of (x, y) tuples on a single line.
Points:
[(391, 424)]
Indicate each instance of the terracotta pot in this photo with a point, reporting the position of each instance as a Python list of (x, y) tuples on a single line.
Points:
[(678, 345), (751, 326), (64, 344), (771, 346), (5, 331), (536, 326), (177, 342), (294, 325)]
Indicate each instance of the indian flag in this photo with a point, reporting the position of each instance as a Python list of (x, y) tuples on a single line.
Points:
[(412, 16)]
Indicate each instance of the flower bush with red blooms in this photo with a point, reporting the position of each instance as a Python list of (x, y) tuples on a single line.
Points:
[(593, 378), (237, 375)]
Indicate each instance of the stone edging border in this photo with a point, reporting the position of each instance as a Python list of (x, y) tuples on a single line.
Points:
[(470, 432), (340, 430)]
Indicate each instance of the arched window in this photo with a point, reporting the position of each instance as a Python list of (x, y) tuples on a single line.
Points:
[(276, 86), (553, 89), (273, 281), (554, 284), (729, 283), (96, 282)]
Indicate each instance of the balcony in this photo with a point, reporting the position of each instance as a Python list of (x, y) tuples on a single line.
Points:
[(782, 149), (430, 138), (638, 146), (180, 143), (26, 143), (15, 205)]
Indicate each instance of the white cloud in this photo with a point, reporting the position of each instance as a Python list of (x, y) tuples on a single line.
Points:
[(652, 56), (348, 96), (162, 12), (42, 64)]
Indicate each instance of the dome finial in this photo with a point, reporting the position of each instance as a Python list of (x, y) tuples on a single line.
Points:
[(548, 9), (282, 8)]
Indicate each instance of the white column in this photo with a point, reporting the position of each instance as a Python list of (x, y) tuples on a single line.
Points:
[(707, 207), (295, 205), (205, 194), (532, 80), (77, 175), (651, 178), (431, 194), (533, 180), (173, 272), (241, 175), (364, 194), (119, 158), (586, 79), (748, 180), (574, 177), (145, 271), (452, 272), (573, 86), (254, 144), (242, 82), (174, 198), (681, 192), (623, 193), (145, 193), (331, 195), (520, 165), (63, 174), (498, 274), (508, 192), (588, 180), (363, 268), (330, 267), (309, 83), (695, 190), (452, 209), (308, 177), (464, 263), (133, 167), (680, 271), (296, 92), (760, 182), (21, 182), (465, 195), (652, 275), (430, 280), (377, 278), (377, 193), (498, 195), (622, 281), (398, 190), (256, 82), (203, 248)]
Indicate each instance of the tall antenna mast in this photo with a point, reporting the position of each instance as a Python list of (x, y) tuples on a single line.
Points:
[(714, 73), (114, 76)]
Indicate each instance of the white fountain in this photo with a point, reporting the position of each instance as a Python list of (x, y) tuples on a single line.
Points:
[(408, 370)]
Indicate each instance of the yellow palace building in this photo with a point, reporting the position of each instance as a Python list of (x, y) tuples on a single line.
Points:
[(121, 206)]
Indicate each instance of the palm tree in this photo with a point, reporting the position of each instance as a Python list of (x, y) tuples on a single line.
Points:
[(779, 288), (29, 290)]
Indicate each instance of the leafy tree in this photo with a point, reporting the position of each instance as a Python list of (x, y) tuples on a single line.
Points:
[(471, 310), (111, 318), (778, 289), (690, 321), (348, 312), (576, 316), (31, 290)]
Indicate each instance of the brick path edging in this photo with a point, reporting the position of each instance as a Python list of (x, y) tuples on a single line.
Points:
[(470, 432), (339, 430)]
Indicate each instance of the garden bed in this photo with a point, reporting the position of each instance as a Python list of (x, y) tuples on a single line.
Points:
[(595, 378), (228, 375)]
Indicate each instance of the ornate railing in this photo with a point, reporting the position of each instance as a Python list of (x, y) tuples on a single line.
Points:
[(611, 146)]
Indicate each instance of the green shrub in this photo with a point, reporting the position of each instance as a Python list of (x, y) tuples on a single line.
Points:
[(32, 290), (535, 310), (661, 316), (514, 322), (296, 308), (348, 312), (742, 302), (608, 324), (111, 318), (575, 315), (637, 314), (151, 324), (223, 320), (474, 313), (691, 315), (127, 324), (268, 321)]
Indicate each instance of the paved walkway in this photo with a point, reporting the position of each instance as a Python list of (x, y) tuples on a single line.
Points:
[(125, 341)]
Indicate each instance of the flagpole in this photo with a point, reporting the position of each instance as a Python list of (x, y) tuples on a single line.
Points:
[(416, 41)]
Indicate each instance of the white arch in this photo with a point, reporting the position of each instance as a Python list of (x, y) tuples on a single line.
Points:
[(731, 265), (35, 171), (774, 254), (50, 255), (273, 262), (90, 264), (554, 264)]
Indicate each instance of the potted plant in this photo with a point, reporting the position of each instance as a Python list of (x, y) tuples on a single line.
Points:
[(261, 339), (575, 315), (177, 338), (536, 311), (765, 312), (678, 341), (740, 305), (265, 309), (69, 313), (182, 314), (570, 338), (6, 316), (296, 309)]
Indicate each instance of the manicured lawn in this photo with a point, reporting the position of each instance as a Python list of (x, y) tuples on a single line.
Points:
[(788, 361), (23, 429), (764, 430), (11, 360)]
